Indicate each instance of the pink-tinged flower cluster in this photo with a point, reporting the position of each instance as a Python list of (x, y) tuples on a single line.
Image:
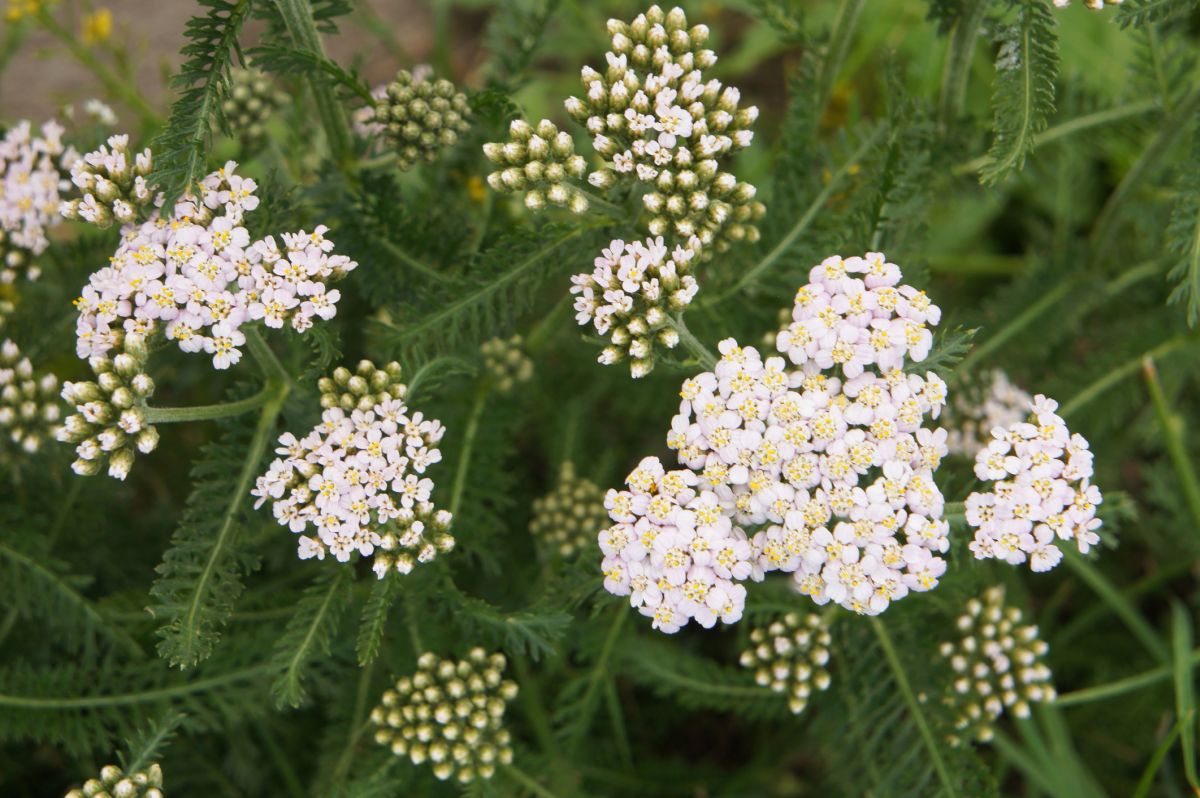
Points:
[(196, 275), (1041, 491), (358, 479), (674, 550), (998, 403), (32, 178)]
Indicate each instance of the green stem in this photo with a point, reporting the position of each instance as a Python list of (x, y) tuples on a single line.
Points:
[(170, 415), (526, 781), (1160, 753), (128, 94), (271, 368), (1169, 130), (1016, 325), (358, 724), (802, 223), (1121, 687), (464, 455), (143, 697), (1022, 761), (542, 332), (411, 261), (693, 344), (1069, 128), (283, 764), (1173, 437), (958, 62), (914, 707), (535, 710), (1123, 371), (298, 19), (839, 44), (598, 202), (599, 669), (1120, 605)]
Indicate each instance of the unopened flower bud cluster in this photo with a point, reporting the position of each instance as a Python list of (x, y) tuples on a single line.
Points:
[(195, 274), (362, 389), (1041, 491), (109, 422), (830, 456), (32, 180), (115, 783), (630, 295), (450, 714), (540, 162), (29, 408), (113, 180), (998, 664), (421, 117), (252, 99), (567, 520), (790, 656), (997, 403), (674, 550), (654, 119), (357, 479), (505, 363)]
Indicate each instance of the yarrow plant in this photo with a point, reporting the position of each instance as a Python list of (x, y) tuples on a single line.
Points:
[(998, 664), (1041, 494), (196, 276), (116, 783), (450, 714), (996, 402), (29, 410), (32, 166), (568, 520), (358, 480), (789, 656)]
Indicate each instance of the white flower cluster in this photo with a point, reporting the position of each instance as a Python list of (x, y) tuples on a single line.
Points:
[(109, 422), (505, 361), (971, 419), (358, 479), (629, 295), (114, 184), (1095, 5), (450, 714), (790, 655), (655, 119), (997, 664), (832, 455), (29, 408), (32, 179), (674, 550), (115, 783), (538, 161), (1041, 491), (567, 520), (198, 275), (366, 387)]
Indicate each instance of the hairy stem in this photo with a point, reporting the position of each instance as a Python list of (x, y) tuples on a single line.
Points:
[(914, 707), (958, 62), (1121, 687), (839, 44), (693, 344), (170, 415), (1124, 371), (1173, 437), (142, 697), (464, 454)]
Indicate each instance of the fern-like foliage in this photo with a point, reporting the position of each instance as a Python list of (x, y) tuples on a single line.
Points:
[(374, 619), (498, 287), (200, 577), (180, 151), (1026, 73), (1140, 13), (514, 36), (146, 745), (533, 631), (309, 634), (1183, 238), (289, 60)]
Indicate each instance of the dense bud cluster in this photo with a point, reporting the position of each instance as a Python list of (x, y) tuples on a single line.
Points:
[(362, 389), (421, 117), (114, 184), (357, 477), (29, 408), (979, 409), (539, 162), (109, 422), (196, 273), (1041, 491), (567, 520), (653, 118), (115, 783), (629, 296), (790, 656), (31, 182), (251, 101), (505, 362), (451, 715), (997, 664)]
